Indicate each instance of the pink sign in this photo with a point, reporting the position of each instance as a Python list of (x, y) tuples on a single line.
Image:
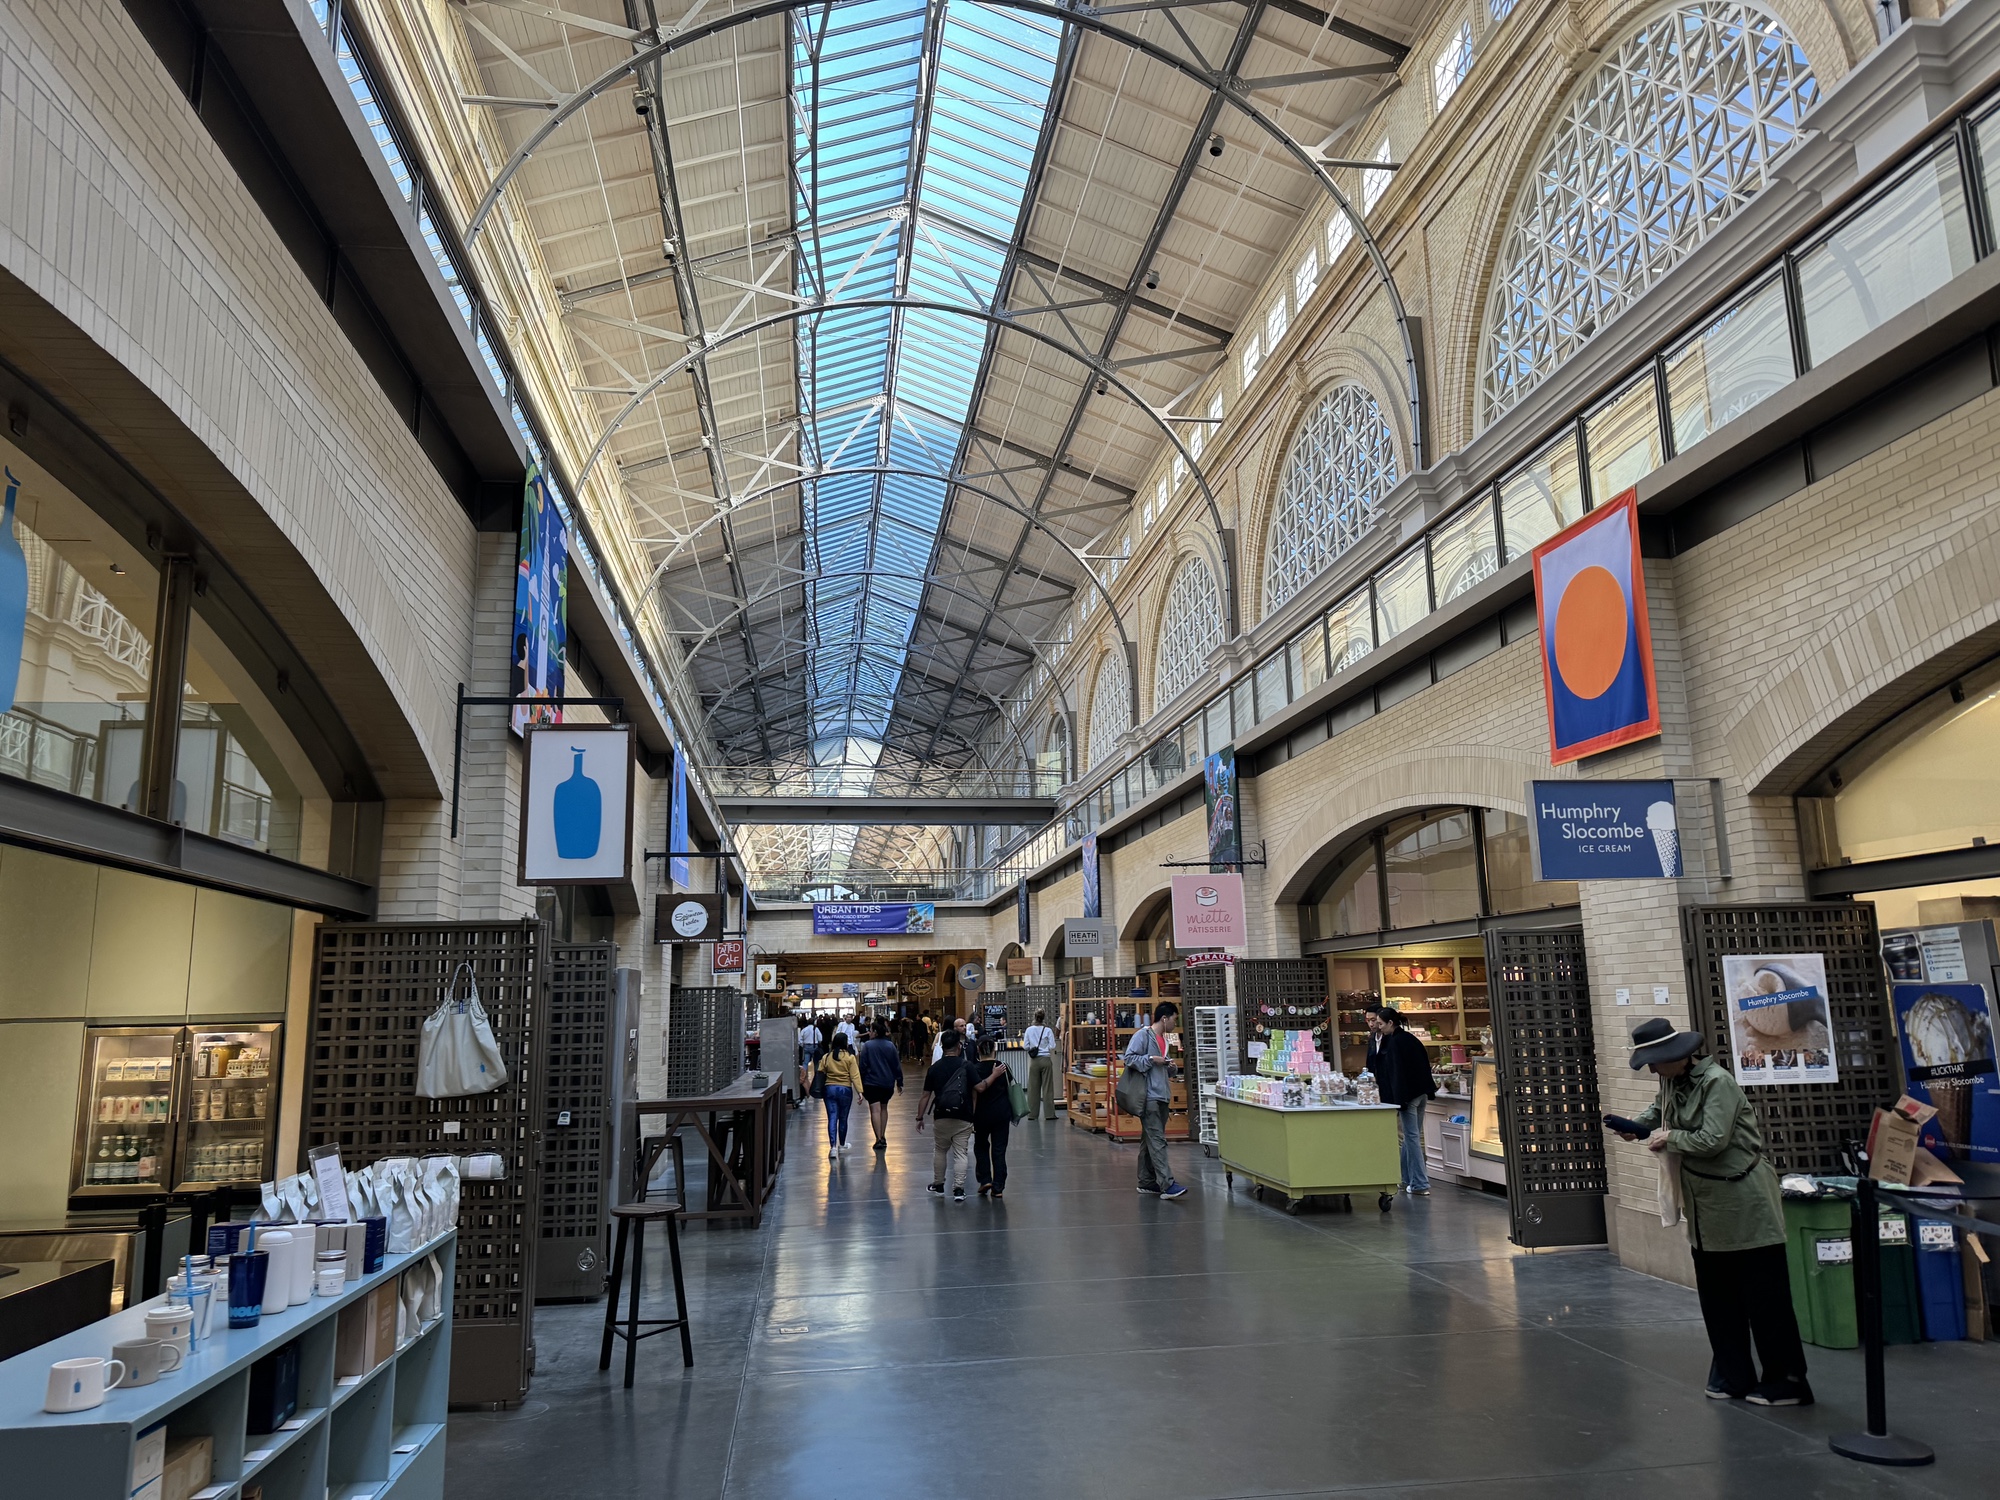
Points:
[(1208, 912)]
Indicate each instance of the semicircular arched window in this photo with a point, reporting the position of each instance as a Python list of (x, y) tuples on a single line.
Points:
[(1110, 708), (1190, 627), (1675, 131), (1343, 461)]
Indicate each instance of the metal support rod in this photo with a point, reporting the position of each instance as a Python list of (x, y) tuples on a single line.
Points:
[(1877, 1445), (466, 701)]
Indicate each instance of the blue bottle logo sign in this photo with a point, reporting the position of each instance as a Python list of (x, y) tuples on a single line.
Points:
[(578, 807), (13, 600)]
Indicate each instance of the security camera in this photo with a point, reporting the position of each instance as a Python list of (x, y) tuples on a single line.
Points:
[(642, 103), (1102, 387), (1152, 281), (1215, 145)]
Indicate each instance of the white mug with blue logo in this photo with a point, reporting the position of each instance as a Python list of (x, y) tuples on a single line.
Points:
[(79, 1384)]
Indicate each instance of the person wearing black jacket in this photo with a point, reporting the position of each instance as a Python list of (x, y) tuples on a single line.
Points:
[(1402, 1069), (992, 1119)]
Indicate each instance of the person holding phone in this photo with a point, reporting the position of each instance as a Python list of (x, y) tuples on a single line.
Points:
[(1734, 1215)]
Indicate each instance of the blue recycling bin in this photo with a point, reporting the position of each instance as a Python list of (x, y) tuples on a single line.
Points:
[(1940, 1280)]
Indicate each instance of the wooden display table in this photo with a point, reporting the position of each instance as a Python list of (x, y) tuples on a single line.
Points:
[(1087, 1101), (742, 1174), (1334, 1149)]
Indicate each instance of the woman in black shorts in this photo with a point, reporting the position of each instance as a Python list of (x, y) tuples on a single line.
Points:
[(881, 1077)]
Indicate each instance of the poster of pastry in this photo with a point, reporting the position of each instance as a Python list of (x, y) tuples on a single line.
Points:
[(1947, 1034), (1780, 1026)]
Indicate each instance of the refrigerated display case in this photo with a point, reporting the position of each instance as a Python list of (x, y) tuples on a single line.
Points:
[(174, 1108), (1485, 1139)]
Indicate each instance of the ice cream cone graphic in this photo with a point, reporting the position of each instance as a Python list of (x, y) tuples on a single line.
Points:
[(1666, 836), (1954, 1115), (1943, 1034)]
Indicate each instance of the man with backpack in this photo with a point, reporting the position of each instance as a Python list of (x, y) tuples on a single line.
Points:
[(948, 1087)]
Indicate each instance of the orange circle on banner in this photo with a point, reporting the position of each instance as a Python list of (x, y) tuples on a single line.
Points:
[(1591, 627)]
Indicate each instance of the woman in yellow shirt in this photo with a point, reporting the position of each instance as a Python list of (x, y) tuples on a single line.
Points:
[(840, 1077)]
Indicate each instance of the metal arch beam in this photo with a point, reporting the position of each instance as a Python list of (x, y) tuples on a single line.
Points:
[(1224, 86)]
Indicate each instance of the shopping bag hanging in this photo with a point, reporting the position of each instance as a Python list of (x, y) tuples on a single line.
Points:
[(459, 1055)]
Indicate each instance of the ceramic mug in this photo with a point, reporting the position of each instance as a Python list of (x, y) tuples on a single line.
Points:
[(172, 1323), (145, 1360), (79, 1384)]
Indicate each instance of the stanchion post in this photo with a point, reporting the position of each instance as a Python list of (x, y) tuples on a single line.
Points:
[(1877, 1445)]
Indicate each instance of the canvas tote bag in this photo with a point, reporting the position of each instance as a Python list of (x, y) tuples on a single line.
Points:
[(459, 1055)]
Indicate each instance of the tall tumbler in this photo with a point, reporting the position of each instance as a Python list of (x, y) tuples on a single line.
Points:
[(249, 1271)]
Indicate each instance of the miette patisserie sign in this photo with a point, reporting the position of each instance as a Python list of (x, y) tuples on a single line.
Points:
[(1208, 912)]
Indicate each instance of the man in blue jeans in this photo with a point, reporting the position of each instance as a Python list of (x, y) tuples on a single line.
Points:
[(1147, 1051), (1403, 1072)]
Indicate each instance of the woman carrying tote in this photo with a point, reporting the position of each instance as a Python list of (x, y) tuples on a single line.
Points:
[(1735, 1216)]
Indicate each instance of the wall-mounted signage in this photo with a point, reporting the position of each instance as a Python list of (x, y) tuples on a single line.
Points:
[(971, 976), (1021, 912), (1597, 645), (687, 919), (1208, 912), (1020, 968), (858, 918), (1947, 1036), (1604, 830), (767, 976), (1225, 828), (728, 956), (1086, 937), (576, 804), (1093, 879), (1780, 1025), (1207, 961), (541, 606), (678, 868)]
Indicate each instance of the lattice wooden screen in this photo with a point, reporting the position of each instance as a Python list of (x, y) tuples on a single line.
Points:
[(1282, 994), (577, 1129), (704, 1040)]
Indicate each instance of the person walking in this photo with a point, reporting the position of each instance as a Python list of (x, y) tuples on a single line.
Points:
[(1402, 1067), (881, 1077), (1701, 1121), (964, 1048), (809, 1043), (1147, 1051), (1041, 1044), (840, 1075), (948, 1087), (992, 1118)]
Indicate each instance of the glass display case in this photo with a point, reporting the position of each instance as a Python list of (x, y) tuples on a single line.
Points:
[(173, 1108), (1485, 1136)]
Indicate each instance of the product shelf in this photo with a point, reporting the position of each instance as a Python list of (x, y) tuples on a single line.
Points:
[(270, 1446)]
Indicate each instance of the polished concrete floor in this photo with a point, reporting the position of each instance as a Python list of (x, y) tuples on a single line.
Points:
[(1081, 1340)]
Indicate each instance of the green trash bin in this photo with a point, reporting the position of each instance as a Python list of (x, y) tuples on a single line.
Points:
[(1819, 1252)]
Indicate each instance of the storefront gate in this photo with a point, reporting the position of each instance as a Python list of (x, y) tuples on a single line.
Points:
[(586, 1060), (1547, 1066)]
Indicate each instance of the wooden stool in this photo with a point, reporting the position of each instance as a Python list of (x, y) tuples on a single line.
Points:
[(650, 1151), (632, 1219)]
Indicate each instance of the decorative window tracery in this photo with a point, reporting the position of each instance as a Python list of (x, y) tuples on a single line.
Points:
[(1190, 627), (1110, 707), (1669, 137), (1343, 461)]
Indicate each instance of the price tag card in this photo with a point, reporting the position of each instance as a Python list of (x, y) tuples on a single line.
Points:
[(292, 1426), (258, 1455)]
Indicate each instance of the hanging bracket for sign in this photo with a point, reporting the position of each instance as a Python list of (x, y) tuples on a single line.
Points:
[(1256, 858), (465, 701)]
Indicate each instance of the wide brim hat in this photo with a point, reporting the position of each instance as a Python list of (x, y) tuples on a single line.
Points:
[(1656, 1041)]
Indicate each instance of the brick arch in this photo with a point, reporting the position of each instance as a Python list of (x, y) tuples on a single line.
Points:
[(1444, 775), (1145, 909)]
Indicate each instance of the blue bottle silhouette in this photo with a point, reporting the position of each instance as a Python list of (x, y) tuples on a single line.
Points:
[(579, 810), (13, 599)]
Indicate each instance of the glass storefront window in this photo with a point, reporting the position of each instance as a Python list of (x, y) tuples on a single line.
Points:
[(1622, 437), (1510, 870), (1352, 900), (1464, 551), (1402, 594), (1350, 630), (1927, 783), (1541, 497), (1721, 372), (1987, 133), (1896, 250), (1431, 865), (80, 667)]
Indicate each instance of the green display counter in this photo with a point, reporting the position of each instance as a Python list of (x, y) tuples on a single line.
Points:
[(1819, 1251), (1326, 1149)]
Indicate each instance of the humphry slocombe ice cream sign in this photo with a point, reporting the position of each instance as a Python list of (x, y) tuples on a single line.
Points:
[(1604, 830)]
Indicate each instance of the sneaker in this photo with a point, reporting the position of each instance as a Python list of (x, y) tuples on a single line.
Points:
[(1717, 1391), (996, 1195), (1781, 1393), (958, 1195), (1172, 1192), (935, 1189), (985, 1188), (1155, 1192), (1419, 1192), (881, 1145)]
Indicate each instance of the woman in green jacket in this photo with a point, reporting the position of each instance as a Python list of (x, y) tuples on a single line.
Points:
[(1735, 1216)]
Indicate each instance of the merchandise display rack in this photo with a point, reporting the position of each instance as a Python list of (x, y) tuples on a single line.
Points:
[(1087, 1034), (1218, 1051), (377, 1436)]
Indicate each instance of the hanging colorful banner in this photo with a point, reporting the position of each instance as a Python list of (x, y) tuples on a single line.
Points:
[(863, 918), (1597, 644), (1225, 829), (1093, 887), (678, 868), (1021, 911), (1947, 1036), (541, 606)]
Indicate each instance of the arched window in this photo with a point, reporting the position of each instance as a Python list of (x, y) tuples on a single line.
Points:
[(1190, 626), (1110, 707), (1672, 134), (1055, 750), (1343, 461)]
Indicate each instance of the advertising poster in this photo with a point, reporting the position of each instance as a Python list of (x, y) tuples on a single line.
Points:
[(872, 918), (1597, 644), (1780, 1025), (1947, 1035), (1604, 830), (576, 804), (1225, 828), (1208, 912), (541, 606), (678, 869), (1021, 912), (1093, 889)]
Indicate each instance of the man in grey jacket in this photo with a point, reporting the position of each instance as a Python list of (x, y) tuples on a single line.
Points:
[(1147, 1051)]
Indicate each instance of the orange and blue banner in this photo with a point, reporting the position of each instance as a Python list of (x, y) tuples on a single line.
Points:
[(1597, 645)]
